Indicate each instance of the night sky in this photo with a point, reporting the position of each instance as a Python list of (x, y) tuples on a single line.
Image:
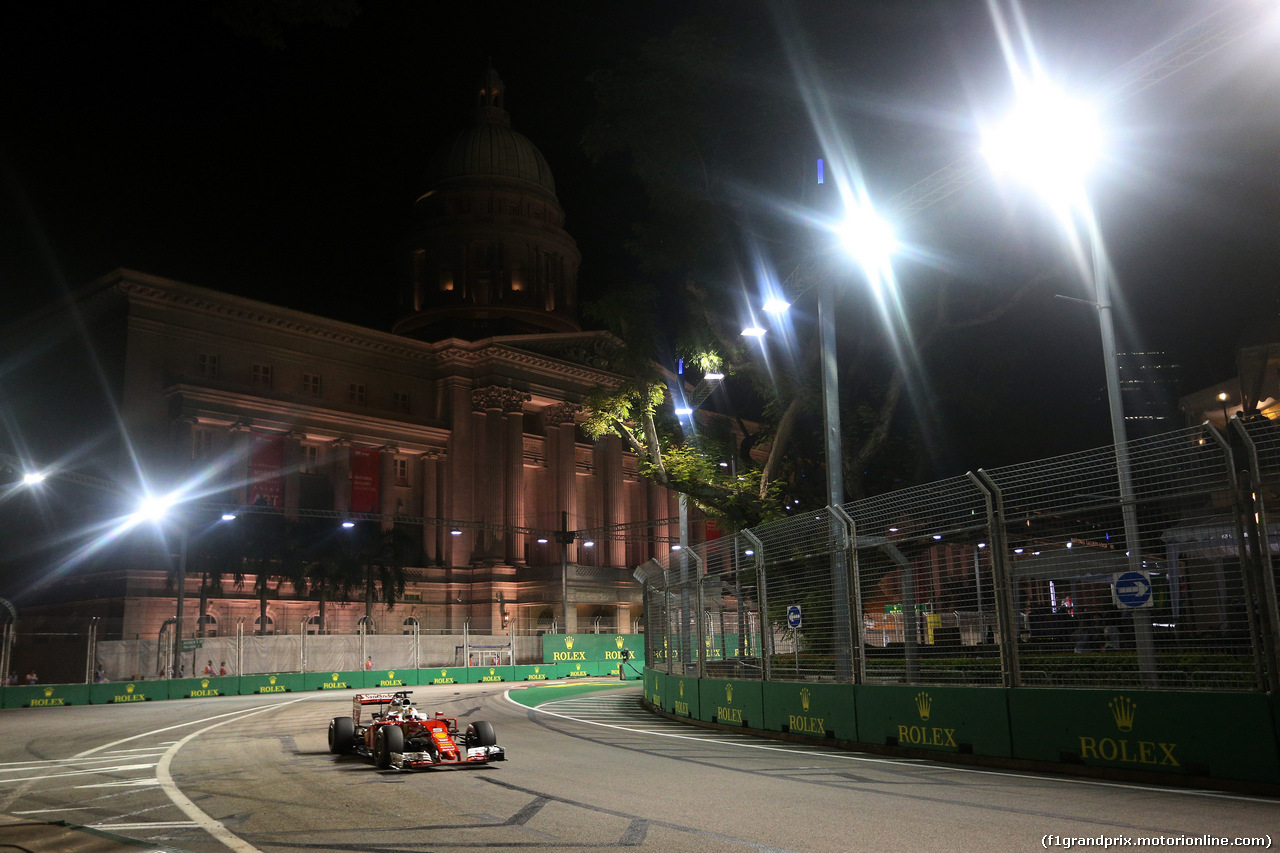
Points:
[(155, 137)]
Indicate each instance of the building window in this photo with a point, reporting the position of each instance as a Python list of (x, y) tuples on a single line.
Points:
[(270, 626), (400, 401), (313, 625), (310, 459), (208, 625), (202, 444), (207, 365), (359, 393), (365, 626), (262, 376), (410, 625), (401, 467), (311, 384)]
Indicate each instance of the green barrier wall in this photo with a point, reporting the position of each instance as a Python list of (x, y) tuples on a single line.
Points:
[(272, 682), (533, 673), (352, 678), (443, 675), (817, 710), (731, 703), (1224, 735), (654, 686), (681, 697), (390, 679), (951, 719), (120, 692), (46, 696), (571, 648), (1217, 734), (490, 674), (579, 669), (201, 688)]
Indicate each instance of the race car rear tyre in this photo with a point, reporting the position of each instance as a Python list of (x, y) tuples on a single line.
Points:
[(480, 733), (390, 739), (342, 731)]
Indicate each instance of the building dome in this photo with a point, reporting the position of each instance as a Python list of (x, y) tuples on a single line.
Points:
[(488, 253), (489, 147)]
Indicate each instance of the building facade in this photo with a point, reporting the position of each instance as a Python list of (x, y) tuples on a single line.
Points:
[(458, 429)]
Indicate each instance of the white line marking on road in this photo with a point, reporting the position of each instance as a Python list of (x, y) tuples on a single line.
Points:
[(918, 764), (203, 820), (94, 770), (127, 783), (47, 811), (161, 824)]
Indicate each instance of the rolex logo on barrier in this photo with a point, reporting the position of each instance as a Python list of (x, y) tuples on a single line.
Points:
[(48, 691), (568, 642), (682, 688), (129, 688), (391, 674), (618, 640), (492, 670), (804, 698), (1123, 710), (204, 682), (271, 680), (334, 676), (924, 702), (444, 673), (728, 693)]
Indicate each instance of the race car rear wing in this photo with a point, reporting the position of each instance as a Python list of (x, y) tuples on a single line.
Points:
[(383, 698)]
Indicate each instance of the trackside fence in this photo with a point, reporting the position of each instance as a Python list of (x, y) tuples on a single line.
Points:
[(1054, 573)]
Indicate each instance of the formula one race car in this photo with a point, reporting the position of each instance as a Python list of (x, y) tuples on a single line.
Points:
[(396, 734)]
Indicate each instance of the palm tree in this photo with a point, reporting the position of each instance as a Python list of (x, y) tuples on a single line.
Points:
[(382, 555)]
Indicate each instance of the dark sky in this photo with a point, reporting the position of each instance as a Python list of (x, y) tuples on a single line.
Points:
[(152, 136)]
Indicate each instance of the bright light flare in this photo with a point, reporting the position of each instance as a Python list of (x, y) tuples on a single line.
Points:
[(753, 332), (684, 410), (32, 478), (867, 237), (154, 508), (1049, 141), (776, 306)]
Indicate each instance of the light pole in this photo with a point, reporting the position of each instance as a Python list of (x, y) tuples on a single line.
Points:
[(1222, 398), (1051, 141)]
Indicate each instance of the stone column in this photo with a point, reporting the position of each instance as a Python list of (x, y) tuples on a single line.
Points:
[(292, 462), (340, 473), (387, 484), (431, 531), (495, 468), (460, 477), (562, 463), (513, 495), (182, 438), (608, 459), (238, 488)]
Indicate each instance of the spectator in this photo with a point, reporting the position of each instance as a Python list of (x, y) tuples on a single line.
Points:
[(208, 668), (182, 670), (368, 663), (100, 674), (31, 678), (223, 671)]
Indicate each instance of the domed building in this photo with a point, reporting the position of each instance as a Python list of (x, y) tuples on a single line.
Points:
[(457, 430), (489, 253)]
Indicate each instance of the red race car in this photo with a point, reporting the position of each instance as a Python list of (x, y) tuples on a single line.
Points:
[(396, 734)]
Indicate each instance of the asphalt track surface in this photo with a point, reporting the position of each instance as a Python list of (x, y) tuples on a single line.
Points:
[(587, 771)]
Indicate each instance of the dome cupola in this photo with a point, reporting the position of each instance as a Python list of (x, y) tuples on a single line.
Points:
[(489, 254)]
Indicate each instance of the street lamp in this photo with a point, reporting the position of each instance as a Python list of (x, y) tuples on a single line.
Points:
[(1051, 141), (1222, 398)]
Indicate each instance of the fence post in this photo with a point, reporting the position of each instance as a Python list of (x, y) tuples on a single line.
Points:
[(1001, 581), (855, 594), (766, 634), (700, 615), (302, 652), (1256, 524)]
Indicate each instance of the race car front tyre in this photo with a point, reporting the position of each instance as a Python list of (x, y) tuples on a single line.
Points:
[(342, 731), (480, 733), (390, 739)]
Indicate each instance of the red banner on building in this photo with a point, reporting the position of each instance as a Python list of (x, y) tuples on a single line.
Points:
[(266, 459), (364, 479)]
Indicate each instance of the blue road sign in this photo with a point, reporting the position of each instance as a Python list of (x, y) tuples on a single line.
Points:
[(793, 616), (1132, 589)]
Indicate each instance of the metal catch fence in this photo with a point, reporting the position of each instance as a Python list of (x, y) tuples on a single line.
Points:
[(1150, 567)]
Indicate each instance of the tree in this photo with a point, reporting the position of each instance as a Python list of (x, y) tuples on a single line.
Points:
[(381, 557), (713, 148)]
